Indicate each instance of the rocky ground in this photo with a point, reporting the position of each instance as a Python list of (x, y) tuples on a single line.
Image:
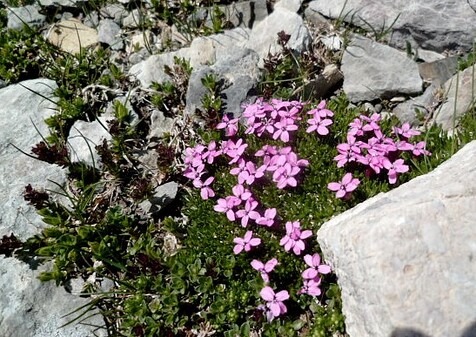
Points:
[(403, 259)]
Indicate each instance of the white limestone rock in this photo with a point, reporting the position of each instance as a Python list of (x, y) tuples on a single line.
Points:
[(405, 259), (373, 70)]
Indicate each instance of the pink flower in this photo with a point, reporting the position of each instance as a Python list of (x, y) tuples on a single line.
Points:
[(314, 262), (373, 122), (356, 127), (347, 153), (311, 287), (245, 243), (321, 111), (419, 149), (394, 168), (284, 176), (275, 303), (234, 150), (205, 191), (226, 206), (319, 125), (230, 126), (264, 269), (194, 156), (294, 237), (406, 131), (268, 218), (241, 192), (346, 186), (211, 152), (194, 172), (282, 129), (249, 212), (250, 173)]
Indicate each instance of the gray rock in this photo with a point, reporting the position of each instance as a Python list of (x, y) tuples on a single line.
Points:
[(423, 105), (428, 55), (109, 33), (435, 25), (264, 36), (159, 124), (22, 111), (117, 12), (91, 19), (152, 69), (459, 95), (163, 195), (243, 13), (29, 15), (83, 139), (290, 5), (317, 19), (202, 52), (404, 259), (324, 82), (134, 19), (29, 307), (239, 71), (373, 70), (63, 3), (438, 72)]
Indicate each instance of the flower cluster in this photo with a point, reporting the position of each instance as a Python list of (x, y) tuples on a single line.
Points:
[(368, 146), (277, 120)]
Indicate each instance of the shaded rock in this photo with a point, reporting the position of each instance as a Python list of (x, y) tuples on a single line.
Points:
[(21, 112), (459, 97), (373, 70), (428, 55), (91, 19), (19, 16), (109, 33), (438, 72), (29, 307), (135, 19), (317, 19), (63, 3), (435, 25), (159, 124), (404, 259), (72, 35), (245, 13), (163, 195), (83, 139), (264, 36), (325, 81), (139, 41), (239, 73), (422, 106), (116, 12)]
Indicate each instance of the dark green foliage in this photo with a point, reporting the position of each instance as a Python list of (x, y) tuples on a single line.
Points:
[(21, 54)]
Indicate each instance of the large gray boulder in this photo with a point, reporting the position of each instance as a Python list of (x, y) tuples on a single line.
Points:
[(27, 306), (264, 36), (22, 115), (405, 259), (376, 71), (431, 24), (459, 97), (19, 16)]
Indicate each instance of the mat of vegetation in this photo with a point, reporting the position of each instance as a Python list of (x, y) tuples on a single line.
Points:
[(234, 254)]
